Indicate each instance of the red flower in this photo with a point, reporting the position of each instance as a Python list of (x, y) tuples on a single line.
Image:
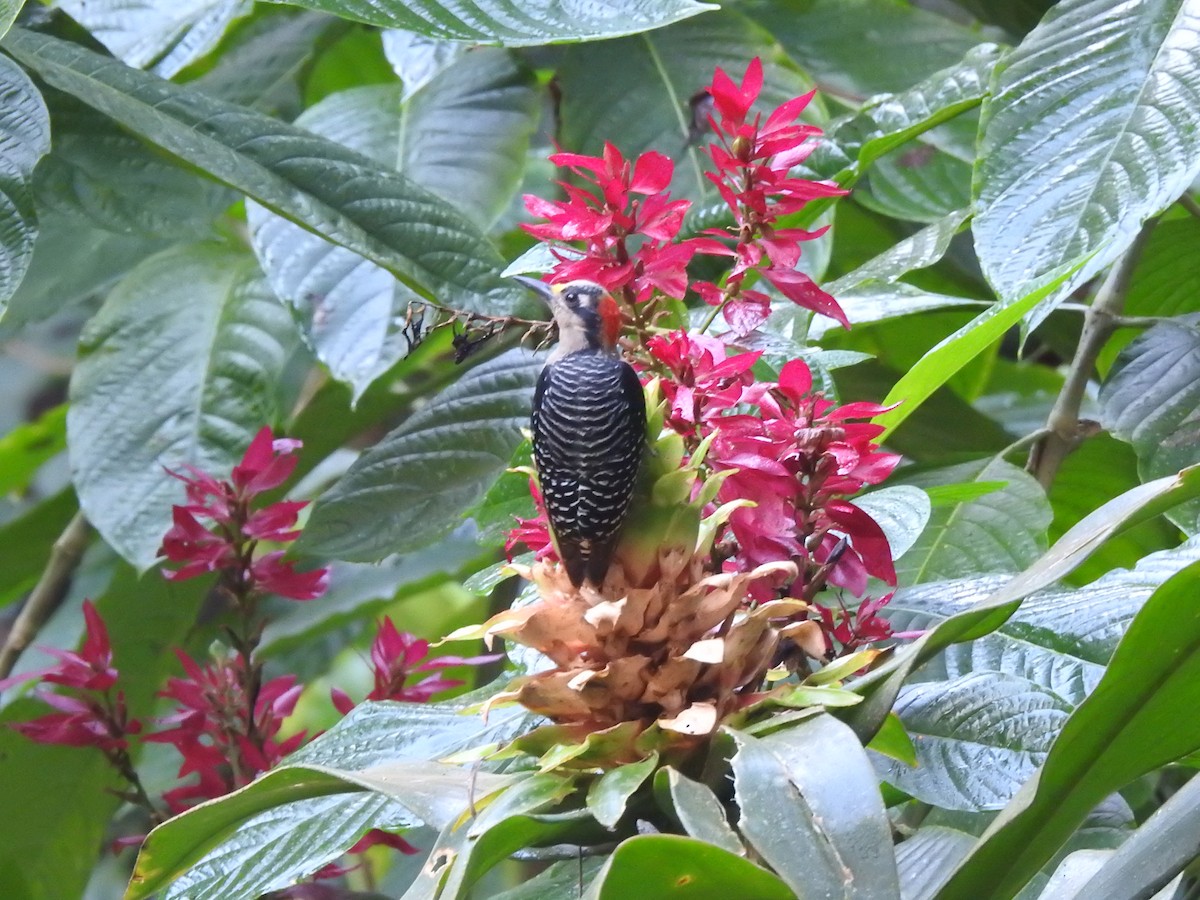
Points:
[(89, 714), (267, 463), (608, 215), (220, 740), (751, 163), (395, 657), (533, 533)]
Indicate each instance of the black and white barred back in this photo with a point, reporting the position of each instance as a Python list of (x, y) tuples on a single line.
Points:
[(589, 425)]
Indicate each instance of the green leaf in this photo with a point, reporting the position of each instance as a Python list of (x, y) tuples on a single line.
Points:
[(1163, 283), (867, 304), (917, 251), (610, 794), (696, 808), (667, 865), (928, 857), (63, 792), (27, 447), (825, 761), (1000, 531), (890, 121), (160, 35), (266, 60), (1149, 400), (98, 258), (1059, 639), (26, 540), (179, 366), (417, 59), (527, 814), (100, 173), (928, 179), (1095, 472), (24, 139), (8, 14), (510, 23), (463, 136), (1130, 725), (894, 742), (1158, 850), (247, 861), (358, 592), (413, 486), (237, 843), (643, 103), (902, 45), (337, 193), (937, 366), (902, 511), (978, 738), (1091, 129), (883, 683), (780, 825)]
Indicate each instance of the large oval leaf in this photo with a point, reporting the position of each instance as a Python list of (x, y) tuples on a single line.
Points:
[(777, 822), (334, 191), (988, 516), (1150, 400), (1058, 639), (463, 136), (902, 44), (1165, 280), (413, 486), (512, 23), (668, 865), (642, 103), (101, 173), (1092, 128), (24, 139), (179, 366), (883, 683), (978, 738), (827, 764), (161, 35), (1134, 722)]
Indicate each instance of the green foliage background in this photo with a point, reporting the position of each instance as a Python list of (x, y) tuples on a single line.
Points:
[(219, 214)]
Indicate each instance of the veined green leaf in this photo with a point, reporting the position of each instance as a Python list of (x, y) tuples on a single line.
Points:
[(994, 531), (882, 685), (24, 139), (463, 136), (327, 188), (1154, 674), (511, 23), (1093, 126), (1149, 400), (413, 486), (643, 103), (160, 35), (179, 366), (978, 738)]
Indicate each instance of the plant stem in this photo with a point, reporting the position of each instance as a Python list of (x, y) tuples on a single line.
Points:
[(49, 592), (1064, 431), (121, 761)]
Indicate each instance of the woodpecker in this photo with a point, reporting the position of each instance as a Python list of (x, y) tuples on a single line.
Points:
[(589, 426)]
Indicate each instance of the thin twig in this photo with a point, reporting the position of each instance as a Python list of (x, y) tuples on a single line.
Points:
[(1064, 429), (49, 592), (1186, 201)]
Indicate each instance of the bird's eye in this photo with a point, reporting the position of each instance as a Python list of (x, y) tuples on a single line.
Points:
[(572, 298)]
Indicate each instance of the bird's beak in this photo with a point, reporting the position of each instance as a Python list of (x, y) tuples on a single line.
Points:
[(539, 287)]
